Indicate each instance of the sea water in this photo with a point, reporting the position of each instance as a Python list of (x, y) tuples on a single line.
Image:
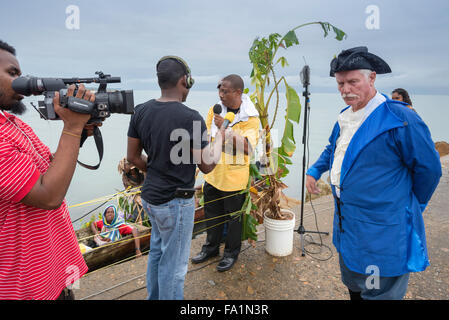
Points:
[(324, 108)]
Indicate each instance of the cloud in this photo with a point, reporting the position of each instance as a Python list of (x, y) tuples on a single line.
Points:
[(214, 38)]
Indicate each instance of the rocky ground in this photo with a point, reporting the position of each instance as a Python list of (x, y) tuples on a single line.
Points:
[(258, 275)]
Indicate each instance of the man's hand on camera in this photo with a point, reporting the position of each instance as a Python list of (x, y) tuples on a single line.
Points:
[(74, 122)]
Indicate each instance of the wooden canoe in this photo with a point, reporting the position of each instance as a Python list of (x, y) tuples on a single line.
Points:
[(114, 252), (124, 248)]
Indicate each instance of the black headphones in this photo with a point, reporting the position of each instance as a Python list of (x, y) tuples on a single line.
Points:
[(190, 80)]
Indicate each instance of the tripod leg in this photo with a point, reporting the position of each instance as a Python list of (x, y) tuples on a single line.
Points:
[(318, 232)]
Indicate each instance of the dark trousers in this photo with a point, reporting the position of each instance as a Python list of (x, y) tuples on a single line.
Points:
[(215, 227), (389, 288)]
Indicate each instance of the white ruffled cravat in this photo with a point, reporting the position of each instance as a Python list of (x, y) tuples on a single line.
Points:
[(349, 122)]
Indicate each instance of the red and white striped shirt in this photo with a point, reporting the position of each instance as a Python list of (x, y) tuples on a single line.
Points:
[(39, 252)]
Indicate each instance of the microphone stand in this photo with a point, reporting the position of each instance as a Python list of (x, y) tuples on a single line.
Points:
[(305, 79)]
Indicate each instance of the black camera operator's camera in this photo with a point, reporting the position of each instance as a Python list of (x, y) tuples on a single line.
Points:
[(106, 102)]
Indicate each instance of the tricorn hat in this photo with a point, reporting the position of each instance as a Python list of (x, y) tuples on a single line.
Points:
[(358, 58)]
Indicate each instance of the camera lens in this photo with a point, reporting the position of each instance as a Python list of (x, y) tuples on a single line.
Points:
[(115, 101)]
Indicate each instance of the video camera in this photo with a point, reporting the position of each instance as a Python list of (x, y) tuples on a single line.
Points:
[(106, 102)]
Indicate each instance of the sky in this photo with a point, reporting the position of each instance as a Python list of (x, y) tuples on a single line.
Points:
[(127, 39)]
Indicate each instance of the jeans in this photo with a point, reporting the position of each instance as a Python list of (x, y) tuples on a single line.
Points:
[(171, 235), (390, 288)]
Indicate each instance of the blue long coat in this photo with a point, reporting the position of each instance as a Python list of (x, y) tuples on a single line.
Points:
[(389, 173)]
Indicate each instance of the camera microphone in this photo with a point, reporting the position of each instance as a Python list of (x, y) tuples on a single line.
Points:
[(217, 108)]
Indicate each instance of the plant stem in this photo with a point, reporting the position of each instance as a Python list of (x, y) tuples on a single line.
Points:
[(277, 99), (272, 91), (306, 24), (270, 65)]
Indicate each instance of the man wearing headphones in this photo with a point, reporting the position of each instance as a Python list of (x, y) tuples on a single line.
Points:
[(172, 135)]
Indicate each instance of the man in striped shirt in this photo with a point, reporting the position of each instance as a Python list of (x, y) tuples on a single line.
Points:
[(39, 253)]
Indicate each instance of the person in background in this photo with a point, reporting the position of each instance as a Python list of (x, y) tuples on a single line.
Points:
[(400, 94), (111, 228), (384, 169), (132, 178)]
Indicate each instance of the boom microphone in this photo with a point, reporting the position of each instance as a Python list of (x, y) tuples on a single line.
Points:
[(217, 108)]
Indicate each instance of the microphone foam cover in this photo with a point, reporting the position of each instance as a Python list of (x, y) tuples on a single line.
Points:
[(229, 116)]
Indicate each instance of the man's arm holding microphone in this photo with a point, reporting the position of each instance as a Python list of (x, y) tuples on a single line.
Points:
[(238, 142), (208, 157)]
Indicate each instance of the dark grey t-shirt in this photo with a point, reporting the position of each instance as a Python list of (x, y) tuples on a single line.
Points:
[(168, 131)]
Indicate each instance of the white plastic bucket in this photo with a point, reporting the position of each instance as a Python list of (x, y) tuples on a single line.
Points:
[(279, 235)]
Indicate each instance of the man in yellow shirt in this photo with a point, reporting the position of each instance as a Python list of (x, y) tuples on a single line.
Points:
[(223, 186)]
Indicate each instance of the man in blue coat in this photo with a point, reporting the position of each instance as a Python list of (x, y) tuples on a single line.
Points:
[(383, 169)]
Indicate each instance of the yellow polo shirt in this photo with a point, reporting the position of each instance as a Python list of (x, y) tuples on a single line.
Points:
[(232, 171)]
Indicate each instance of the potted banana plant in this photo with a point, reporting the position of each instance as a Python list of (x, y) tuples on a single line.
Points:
[(263, 202)]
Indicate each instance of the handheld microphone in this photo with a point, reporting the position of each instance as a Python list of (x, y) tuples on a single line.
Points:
[(217, 109), (229, 117)]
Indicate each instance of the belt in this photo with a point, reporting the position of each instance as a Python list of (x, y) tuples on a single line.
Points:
[(184, 193)]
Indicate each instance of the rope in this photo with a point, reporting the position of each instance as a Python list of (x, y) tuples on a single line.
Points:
[(213, 218), (145, 235), (120, 241), (202, 230), (92, 236), (140, 276), (131, 192), (113, 287), (209, 219), (234, 194), (118, 262), (130, 239), (91, 211), (204, 220), (226, 214), (192, 270)]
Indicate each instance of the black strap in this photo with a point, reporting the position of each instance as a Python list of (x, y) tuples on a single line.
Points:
[(98, 142)]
